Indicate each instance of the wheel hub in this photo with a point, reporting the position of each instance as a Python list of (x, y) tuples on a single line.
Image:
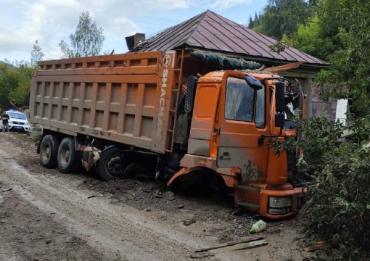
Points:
[(115, 167), (46, 152), (65, 155)]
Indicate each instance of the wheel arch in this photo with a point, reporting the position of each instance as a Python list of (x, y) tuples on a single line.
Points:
[(202, 176)]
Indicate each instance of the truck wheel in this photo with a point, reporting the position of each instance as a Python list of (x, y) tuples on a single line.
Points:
[(111, 164), (49, 151), (68, 158), (134, 170)]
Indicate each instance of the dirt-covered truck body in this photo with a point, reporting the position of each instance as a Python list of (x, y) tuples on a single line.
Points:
[(121, 98), (173, 113)]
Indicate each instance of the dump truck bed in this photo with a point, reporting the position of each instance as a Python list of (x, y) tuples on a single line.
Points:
[(128, 98)]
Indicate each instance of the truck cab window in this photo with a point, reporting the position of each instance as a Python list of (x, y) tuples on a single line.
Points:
[(260, 108), (239, 100)]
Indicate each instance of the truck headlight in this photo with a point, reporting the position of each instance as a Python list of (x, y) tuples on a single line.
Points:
[(280, 205)]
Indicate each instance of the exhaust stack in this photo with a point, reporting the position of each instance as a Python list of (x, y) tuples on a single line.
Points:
[(134, 40)]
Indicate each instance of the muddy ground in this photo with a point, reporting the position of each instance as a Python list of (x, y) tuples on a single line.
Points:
[(46, 215)]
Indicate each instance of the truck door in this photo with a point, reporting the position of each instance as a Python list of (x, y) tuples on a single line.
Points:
[(242, 121)]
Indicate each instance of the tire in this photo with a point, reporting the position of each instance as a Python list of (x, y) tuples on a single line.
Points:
[(49, 151), (135, 170), (112, 164), (68, 158)]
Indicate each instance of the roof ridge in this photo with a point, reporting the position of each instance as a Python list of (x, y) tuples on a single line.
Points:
[(212, 31), (162, 33), (201, 17)]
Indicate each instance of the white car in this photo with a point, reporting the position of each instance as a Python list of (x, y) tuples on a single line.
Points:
[(18, 121)]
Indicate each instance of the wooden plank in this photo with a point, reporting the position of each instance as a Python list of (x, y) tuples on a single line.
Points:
[(233, 243), (253, 244)]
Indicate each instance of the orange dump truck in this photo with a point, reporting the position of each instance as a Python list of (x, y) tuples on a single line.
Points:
[(171, 113)]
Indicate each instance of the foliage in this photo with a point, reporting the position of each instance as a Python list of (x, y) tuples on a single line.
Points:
[(339, 33), (278, 47), (254, 22), (349, 74), (317, 135), (36, 53), (19, 95), (339, 208), (15, 83), (86, 41), (281, 17), (309, 39)]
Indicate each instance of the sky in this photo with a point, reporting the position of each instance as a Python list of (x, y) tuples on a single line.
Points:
[(22, 22)]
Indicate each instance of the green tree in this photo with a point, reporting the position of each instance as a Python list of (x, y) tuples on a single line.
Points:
[(8, 80), (251, 22), (86, 41), (36, 53), (309, 38), (283, 17), (19, 95), (15, 83), (349, 24)]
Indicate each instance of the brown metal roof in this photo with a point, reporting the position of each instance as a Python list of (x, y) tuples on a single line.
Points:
[(212, 31)]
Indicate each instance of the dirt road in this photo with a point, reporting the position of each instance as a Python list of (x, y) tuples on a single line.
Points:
[(46, 215)]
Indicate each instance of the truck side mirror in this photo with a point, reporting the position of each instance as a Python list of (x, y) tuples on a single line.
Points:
[(280, 104), (253, 82), (280, 97)]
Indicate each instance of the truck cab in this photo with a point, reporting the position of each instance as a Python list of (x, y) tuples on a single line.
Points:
[(235, 116)]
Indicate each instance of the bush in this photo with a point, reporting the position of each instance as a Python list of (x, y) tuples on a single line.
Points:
[(338, 210)]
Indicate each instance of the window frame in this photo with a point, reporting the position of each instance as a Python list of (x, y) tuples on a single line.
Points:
[(254, 107)]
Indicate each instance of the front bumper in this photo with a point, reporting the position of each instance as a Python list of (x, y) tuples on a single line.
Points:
[(275, 203), (19, 127), (279, 204)]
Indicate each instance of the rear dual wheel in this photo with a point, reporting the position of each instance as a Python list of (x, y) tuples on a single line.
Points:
[(112, 164), (48, 151), (68, 158)]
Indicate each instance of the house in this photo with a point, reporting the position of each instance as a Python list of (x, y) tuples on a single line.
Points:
[(213, 33)]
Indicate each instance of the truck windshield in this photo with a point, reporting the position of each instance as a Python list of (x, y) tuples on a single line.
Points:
[(240, 104), (239, 100)]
